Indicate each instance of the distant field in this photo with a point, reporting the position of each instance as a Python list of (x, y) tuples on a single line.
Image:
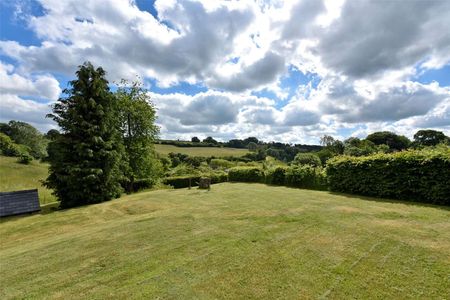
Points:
[(15, 176), (237, 241), (200, 151)]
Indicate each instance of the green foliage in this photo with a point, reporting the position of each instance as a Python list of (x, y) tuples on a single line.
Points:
[(85, 161), (25, 134), (259, 155), (324, 155), (394, 141), (307, 159), (210, 140), (356, 147), (195, 140), (8, 147), (306, 176), (413, 175), (137, 117), (218, 163), (246, 174), (430, 138), (25, 159), (252, 146), (276, 175)]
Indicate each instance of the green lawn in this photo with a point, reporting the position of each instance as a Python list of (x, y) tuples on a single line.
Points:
[(15, 176), (237, 241), (200, 151)]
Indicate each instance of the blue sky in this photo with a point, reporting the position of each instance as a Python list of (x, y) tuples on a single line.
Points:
[(279, 71)]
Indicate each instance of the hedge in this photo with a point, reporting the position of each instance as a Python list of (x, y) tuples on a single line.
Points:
[(276, 175), (413, 175), (307, 177), (246, 174), (179, 182)]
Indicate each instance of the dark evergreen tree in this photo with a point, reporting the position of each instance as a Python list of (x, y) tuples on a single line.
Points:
[(84, 157)]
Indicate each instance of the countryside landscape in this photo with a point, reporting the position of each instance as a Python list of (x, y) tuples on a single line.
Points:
[(224, 149)]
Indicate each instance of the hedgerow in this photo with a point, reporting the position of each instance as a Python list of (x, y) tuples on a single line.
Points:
[(306, 176), (246, 174), (413, 175)]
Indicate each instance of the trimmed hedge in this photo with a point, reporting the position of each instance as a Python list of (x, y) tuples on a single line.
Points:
[(179, 182), (276, 176), (307, 177), (246, 174), (422, 176)]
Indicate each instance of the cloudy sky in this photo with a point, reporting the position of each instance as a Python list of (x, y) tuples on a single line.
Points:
[(287, 71)]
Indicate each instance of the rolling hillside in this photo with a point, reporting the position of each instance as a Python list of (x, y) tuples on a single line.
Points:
[(200, 151), (15, 176)]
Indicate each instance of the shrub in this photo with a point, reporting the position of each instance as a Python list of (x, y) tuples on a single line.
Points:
[(25, 159), (218, 177), (276, 175), (8, 147), (306, 177), (181, 181), (246, 174), (217, 163), (141, 184), (412, 175), (307, 159)]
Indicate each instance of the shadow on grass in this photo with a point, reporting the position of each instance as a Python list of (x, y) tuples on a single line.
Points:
[(387, 200)]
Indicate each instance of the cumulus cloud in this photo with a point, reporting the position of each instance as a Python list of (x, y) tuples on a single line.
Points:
[(372, 37), (366, 53), (41, 86)]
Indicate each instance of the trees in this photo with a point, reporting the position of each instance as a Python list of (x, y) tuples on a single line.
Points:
[(210, 140), (429, 137), (252, 146), (394, 141), (307, 159), (24, 134), (85, 165), (195, 140), (138, 131)]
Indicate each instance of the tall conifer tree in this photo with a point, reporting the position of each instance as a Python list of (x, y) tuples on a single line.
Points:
[(85, 160)]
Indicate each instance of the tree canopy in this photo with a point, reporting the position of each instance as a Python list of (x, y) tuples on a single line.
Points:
[(86, 155)]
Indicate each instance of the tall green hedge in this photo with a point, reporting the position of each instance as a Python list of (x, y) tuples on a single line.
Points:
[(179, 182), (422, 176), (307, 177), (246, 174)]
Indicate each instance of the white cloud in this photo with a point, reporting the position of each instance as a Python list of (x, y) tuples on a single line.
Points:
[(365, 52)]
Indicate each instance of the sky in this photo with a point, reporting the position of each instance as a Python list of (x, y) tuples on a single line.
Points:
[(289, 71)]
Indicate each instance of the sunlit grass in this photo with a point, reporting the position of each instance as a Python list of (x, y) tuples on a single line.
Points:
[(200, 151), (15, 176), (237, 241)]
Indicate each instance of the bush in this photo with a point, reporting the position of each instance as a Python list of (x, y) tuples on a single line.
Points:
[(246, 174), (181, 181), (421, 176), (276, 175), (217, 163), (8, 147), (306, 176), (141, 184), (25, 159), (307, 159), (218, 177)]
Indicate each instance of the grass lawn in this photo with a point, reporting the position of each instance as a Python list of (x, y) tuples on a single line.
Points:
[(237, 241), (200, 151), (15, 176)]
